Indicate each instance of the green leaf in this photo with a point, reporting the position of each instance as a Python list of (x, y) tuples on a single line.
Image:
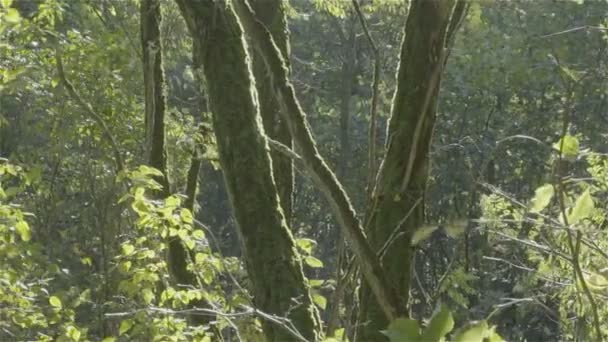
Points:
[(73, 333), (189, 243), (12, 16), (583, 208), (6, 3), (422, 234), (127, 249), (198, 234), (150, 171), (306, 245), (320, 300), (473, 333), (403, 329), (542, 198), (570, 146), (316, 282), (125, 326), (441, 324), (24, 230), (33, 175), (86, 261), (124, 266), (55, 302), (147, 295), (456, 227), (493, 336), (597, 281), (313, 262), (186, 215), (109, 339)]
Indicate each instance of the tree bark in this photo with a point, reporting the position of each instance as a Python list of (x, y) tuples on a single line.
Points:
[(155, 104), (398, 197), (272, 14), (154, 83), (391, 303), (348, 82), (271, 258)]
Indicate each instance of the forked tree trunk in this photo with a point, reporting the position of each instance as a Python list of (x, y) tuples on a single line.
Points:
[(398, 198), (271, 258)]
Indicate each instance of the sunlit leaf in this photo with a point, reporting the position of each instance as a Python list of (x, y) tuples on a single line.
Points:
[(583, 208), (12, 16), (306, 245), (186, 215), (542, 198), (472, 333), (125, 326), (568, 145), (403, 329), (127, 249), (55, 302), (24, 230), (441, 324), (313, 262), (320, 300), (422, 234)]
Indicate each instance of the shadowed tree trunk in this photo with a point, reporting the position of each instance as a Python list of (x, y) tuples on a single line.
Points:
[(273, 264), (154, 83), (398, 198), (272, 14), (155, 104), (349, 60)]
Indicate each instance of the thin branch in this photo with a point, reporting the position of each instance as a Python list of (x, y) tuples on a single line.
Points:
[(391, 302), (283, 322), (373, 111), (88, 109)]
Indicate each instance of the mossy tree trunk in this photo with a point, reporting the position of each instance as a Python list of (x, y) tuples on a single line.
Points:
[(271, 258), (272, 14), (398, 197)]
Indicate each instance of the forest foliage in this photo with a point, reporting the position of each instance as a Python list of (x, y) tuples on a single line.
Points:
[(460, 197)]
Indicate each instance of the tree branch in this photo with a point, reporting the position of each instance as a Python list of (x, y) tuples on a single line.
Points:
[(88, 109)]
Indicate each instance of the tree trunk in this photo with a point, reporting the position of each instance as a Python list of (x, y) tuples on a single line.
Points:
[(154, 83), (391, 303), (398, 198), (348, 82), (272, 14), (155, 104), (271, 258)]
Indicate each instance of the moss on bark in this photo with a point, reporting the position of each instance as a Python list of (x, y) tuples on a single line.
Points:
[(272, 14), (273, 264)]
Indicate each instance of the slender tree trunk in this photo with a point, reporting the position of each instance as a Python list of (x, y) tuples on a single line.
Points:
[(272, 14), (155, 104), (154, 83), (271, 258), (348, 82), (398, 198)]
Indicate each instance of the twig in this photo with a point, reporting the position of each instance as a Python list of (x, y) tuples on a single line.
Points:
[(283, 322), (88, 109), (374, 104)]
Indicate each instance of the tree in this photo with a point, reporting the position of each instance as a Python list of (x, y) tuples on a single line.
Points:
[(398, 200), (272, 14), (273, 264)]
